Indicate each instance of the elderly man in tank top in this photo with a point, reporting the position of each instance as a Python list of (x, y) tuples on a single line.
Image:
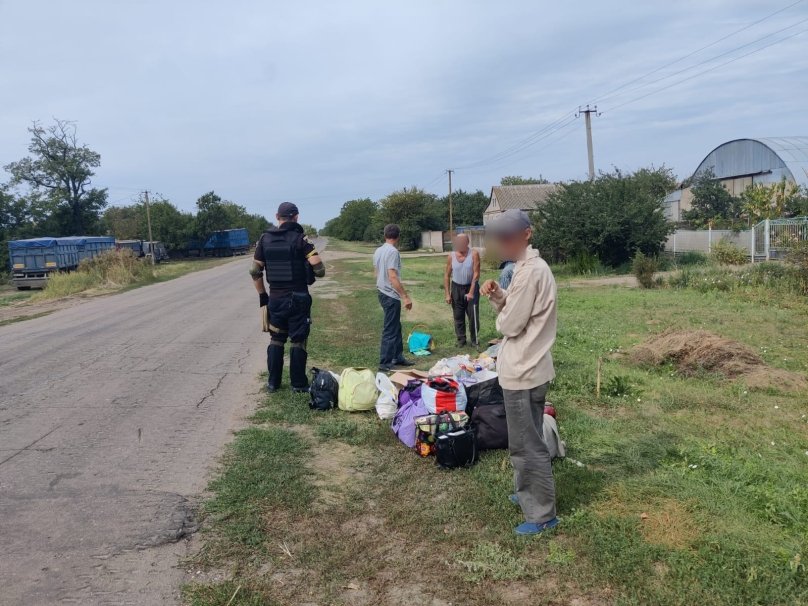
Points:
[(460, 282)]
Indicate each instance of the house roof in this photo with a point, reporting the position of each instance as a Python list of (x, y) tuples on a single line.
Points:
[(522, 197)]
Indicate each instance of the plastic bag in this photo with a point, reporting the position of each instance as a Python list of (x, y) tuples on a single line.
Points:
[(386, 404)]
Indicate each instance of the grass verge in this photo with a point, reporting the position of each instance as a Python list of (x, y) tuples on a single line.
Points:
[(689, 491)]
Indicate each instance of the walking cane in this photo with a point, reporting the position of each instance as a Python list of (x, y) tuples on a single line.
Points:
[(475, 302)]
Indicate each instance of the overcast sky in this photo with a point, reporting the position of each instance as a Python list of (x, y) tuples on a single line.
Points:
[(319, 102)]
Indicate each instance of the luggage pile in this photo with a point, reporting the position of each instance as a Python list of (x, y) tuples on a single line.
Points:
[(451, 413)]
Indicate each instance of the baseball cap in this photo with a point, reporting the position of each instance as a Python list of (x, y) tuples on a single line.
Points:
[(512, 221), (288, 209)]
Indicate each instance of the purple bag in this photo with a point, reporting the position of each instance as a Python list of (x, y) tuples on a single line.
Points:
[(410, 405)]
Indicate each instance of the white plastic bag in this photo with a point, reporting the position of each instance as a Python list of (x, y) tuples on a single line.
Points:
[(386, 405)]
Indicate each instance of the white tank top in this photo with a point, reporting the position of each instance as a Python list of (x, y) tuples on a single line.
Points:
[(462, 273)]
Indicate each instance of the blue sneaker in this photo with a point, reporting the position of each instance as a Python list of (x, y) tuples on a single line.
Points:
[(513, 499), (530, 528)]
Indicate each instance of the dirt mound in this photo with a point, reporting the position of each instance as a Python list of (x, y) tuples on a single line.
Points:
[(695, 351)]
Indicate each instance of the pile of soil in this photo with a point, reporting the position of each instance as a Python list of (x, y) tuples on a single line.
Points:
[(697, 351)]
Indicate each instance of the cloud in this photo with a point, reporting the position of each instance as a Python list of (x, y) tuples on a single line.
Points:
[(320, 102)]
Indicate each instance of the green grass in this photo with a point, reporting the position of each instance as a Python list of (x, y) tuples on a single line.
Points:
[(7, 299), (692, 490)]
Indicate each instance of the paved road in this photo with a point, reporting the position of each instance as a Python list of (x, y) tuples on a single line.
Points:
[(112, 414)]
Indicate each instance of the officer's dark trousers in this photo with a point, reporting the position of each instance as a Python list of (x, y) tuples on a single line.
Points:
[(462, 308), (392, 346), (289, 318)]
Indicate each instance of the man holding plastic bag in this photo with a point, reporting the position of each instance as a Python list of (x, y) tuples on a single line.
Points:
[(527, 320)]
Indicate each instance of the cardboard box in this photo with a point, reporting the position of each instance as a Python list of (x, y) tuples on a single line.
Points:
[(401, 377)]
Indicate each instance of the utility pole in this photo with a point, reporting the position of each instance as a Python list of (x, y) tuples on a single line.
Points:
[(148, 223), (588, 117), (451, 223)]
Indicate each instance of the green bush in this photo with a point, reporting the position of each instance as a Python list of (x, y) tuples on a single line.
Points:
[(779, 277), (726, 253), (692, 258), (644, 267), (797, 258)]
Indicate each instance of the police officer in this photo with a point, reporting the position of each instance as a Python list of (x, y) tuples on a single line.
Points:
[(291, 264)]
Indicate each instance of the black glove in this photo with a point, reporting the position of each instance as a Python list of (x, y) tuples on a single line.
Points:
[(263, 299)]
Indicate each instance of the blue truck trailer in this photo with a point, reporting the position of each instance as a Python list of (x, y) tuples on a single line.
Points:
[(33, 260), (227, 243)]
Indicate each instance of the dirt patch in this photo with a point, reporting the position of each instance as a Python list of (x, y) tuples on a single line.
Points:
[(664, 522), (697, 351)]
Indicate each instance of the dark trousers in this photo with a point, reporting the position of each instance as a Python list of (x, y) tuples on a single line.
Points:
[(533, 470), (462, 308), (289, 318), (392, 346)]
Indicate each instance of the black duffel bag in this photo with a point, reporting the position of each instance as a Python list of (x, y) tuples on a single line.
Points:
[(484, 393), (491, 426), (324, 390)]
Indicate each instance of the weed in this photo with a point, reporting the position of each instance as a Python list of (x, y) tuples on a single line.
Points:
[(644, 267), (491, 561), (725, 252)]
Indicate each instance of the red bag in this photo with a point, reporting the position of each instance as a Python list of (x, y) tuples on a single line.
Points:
[(443, 395)]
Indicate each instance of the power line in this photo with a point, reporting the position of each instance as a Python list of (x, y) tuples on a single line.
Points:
[(706, 61), (538, 136), (714, 67), (695, 52)]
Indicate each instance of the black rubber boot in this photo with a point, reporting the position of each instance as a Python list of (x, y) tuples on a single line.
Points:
[(297, 368), (274, 366)]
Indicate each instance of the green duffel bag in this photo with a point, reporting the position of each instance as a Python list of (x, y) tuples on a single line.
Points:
[(357, 389)]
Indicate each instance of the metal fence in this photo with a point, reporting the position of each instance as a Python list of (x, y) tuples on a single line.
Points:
[(702, 240), (773, 237)]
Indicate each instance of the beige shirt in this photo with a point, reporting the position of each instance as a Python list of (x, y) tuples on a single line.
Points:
[(527, 320)]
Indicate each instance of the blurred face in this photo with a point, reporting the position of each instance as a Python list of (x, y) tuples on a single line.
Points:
[(461, 243), (511, 247)]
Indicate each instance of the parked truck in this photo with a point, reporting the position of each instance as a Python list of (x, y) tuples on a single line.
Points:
[(144, 248), (227, 243), (34, 259)]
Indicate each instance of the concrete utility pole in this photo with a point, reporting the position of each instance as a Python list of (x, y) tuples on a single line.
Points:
[(588, 117), (148, 223), (451, 223)]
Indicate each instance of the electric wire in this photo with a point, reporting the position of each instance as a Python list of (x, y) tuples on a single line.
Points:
[(695, 52)]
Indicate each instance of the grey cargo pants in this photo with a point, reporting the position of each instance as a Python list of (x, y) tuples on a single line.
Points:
[(533, 471)]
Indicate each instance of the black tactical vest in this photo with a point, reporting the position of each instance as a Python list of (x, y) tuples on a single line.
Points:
[(285, 264)]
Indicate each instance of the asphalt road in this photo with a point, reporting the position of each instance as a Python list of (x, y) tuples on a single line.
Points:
[(112, 414)]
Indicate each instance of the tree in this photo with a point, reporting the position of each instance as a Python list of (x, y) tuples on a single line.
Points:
[(123, 222), (59, 174), (414, 210), (797, 204), (712, 203), (353, 221), (467, 207), (519, 180), (610, 218)]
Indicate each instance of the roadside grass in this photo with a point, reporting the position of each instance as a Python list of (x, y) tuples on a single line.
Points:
[(688, 490), (115, 272), (11, 298)]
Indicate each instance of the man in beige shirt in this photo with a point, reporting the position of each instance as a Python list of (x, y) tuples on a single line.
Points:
[(527, 320)]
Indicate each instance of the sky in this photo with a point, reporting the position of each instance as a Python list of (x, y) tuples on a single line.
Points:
[(319, 102)]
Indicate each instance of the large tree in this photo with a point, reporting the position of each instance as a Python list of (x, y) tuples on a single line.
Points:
[(712, 203), (467, 207), (414, 210), (353, 221), (610, 218), (59, 175)]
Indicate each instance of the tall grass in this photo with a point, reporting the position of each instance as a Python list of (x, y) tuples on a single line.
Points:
[(109, 271)]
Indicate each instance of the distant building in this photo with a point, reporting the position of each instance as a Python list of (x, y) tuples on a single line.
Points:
[(744, 162), (522, 197)]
